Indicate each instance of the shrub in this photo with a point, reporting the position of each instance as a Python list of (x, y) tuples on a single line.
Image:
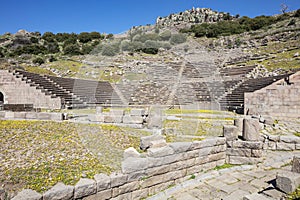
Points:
[(34, 40), (86, 49), (150, 50), (151, 44), (178, 38), (84, 37), (292, 22), (48, 36), (166, 35), (52, 59), (72, 49), (38, 61), (53, 47)]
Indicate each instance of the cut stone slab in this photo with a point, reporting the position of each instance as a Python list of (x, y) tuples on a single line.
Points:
[(296, 164), (251, 129), (230, 132), (28, 194), (131, 152), (85, 187), (256, 196), (287, 181), (102, 181), (137, 112), (128, 119), (239, 124), (146, 141), (59, 192)]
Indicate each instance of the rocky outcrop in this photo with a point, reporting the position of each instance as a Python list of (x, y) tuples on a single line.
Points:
[(193, 16)]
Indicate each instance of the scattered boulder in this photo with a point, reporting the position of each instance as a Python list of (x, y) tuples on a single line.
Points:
[(28, 194), (149, 141)]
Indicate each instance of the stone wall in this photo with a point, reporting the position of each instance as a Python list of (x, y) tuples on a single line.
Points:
[(31, 115), (279, 100), (163, 165), (16, 91), (144, 174)]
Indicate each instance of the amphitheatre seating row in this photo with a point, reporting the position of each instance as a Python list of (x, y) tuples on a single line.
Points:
[(91, 92), (236, 71), (235, 99), (73, 92), (49, 88)]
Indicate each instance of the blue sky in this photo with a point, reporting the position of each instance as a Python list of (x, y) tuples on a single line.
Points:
[(115, 16)]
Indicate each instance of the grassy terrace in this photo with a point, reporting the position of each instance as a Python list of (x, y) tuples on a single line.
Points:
[(38, 154)]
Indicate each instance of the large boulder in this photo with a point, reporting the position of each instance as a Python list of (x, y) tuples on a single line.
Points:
[(251, 129)]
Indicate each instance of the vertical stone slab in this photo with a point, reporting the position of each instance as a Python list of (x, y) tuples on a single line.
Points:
[(296, 164), (251, 129), (239, 123), (230, 132)]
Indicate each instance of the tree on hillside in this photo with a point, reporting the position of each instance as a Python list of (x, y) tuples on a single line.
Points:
[(72, 49), (48, 36), (84, 37)]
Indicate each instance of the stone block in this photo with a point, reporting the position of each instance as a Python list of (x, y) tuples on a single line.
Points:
[(99, 110), (154, 180), (256, 196), (257, 153), (239, 124), (296, 164), (56, 116), (239, 152), (158, 143), (247, 144), (146, 141), (251, 129), (31, 115), (128, 119), (131, 152), (160, 187), (131, 165), (239, 160), (180, 147), (290, 139), (85, 187), (116, 112), (137, 112), (28, 194), (160, 152), (274, 138), (2, 114), (99, 118), (113, 118), (117, 179), (9, 115), (126, 188), (43, 116), (103, 195), (285, 146), (216, 157), (230, 132), (207, 143), (287, 181), (59, 192), (140, 194), (102, 181), (155, 119), (123, 197), (20, 115), (155, 162)]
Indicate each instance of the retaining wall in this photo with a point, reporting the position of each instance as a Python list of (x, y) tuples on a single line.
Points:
[(16, 91), (30, 115), (279, 100)]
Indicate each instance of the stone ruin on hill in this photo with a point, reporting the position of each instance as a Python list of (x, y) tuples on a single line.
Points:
[(193, 16)]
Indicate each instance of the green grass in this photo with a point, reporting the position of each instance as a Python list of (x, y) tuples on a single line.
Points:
[(294, 195), (225, 166), (38, 154), (181, 111), (297, 134), (38, 70)]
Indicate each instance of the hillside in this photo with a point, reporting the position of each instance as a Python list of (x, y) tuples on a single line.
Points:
[(270, 42)]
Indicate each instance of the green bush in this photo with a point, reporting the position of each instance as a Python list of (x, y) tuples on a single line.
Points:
[(48, 36), (149, 50), (178, 38), (72, 49), (38, 61), (165, 36), (30, 49), (84, 37), (52, 47)]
